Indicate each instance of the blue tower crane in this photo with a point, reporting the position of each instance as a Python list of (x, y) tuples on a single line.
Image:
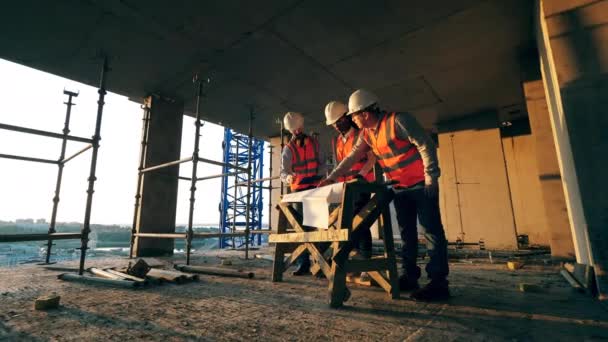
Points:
[(233, 205)]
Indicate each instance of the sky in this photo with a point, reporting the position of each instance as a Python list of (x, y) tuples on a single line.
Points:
[(35, 99)]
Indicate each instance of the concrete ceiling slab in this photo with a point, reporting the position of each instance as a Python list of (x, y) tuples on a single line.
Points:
[(438, 58)]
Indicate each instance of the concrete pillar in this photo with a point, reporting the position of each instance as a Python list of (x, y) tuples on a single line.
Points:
[(556, 212), (573, 46), (159, 190)]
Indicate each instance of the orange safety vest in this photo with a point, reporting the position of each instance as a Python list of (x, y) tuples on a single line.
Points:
[(343, 149), (398, 158), (304, 163)]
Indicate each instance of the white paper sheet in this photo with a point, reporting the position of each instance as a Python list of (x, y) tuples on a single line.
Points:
[(316, 203)]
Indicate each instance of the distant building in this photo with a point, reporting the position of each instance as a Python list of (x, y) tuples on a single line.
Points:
[(41, 221), (25, 221)]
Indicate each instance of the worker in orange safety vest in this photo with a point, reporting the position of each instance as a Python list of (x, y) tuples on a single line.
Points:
[(408, 157), (302, 167), (342, 144)]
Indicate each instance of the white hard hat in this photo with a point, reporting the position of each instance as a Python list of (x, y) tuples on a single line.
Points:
[(360, 100), (293, 121), (334, 111)]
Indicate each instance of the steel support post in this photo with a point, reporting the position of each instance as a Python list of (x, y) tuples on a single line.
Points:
[(86, 228), (140, 176), (195, 160), (64, 142)]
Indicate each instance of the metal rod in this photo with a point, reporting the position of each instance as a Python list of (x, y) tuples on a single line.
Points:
[(161, 166), (282, 147), (235, 191), (248, 208), (184, 178), (217, 176), (215, 271), (39, 237), (86, 148), (143, 149), (209, 161), (44, 133), (64, 142), (98, 281), (86, 228), (37, 160), (162, 235), (258, 180), (270, 147), (195, 160), (195, 235)]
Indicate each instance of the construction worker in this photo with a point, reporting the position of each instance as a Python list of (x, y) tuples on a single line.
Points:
[(348, 133), (408, 157), (302, 167)]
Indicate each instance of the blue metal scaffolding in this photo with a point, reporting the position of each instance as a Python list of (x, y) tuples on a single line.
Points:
[(233, 205)]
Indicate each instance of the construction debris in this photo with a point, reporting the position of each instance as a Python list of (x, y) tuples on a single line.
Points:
[(573, 282), (514, 265), (172, 276), (98, 281), (215, 271), (140, 269), (524, 287), (47, 302)]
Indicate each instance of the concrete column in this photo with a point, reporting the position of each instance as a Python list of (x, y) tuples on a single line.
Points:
[(159, 190), (556, 212), (573, 45)]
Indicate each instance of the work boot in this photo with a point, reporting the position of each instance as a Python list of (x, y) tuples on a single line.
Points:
[(408, 284), (436, 290)]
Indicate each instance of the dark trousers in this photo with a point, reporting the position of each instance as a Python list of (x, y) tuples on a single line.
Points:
[(412, 204), (363, 238)]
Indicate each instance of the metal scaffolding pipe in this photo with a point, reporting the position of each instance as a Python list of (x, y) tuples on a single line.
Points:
[(86, 228), (37, 160), (63, 161), (44, 133), (258, 180), (270, 147), (161, 235), (39, 237), (60, 164), (248, 208), (217, 176), (161, 166), (195, 160), (209, 161), (184, 178), (143, 149)]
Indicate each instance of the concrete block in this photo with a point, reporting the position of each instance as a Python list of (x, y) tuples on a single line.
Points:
[(514, 265), (47, 302)]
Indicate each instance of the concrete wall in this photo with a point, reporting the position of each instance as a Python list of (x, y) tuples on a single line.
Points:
[(549, 175), (526, 195), (573, 45), (475, 199), (159, 190)]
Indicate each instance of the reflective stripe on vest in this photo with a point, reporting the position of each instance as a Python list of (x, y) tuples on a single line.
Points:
[(399, 159), (343, 149), (304, 163)]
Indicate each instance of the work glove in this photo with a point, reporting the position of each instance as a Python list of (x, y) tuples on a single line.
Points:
[(289, 179)]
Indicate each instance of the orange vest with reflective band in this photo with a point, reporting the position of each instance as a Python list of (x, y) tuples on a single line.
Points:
[(399, 159), (304, 163), (343, 149)]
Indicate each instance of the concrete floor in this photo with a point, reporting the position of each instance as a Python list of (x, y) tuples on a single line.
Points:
[(486, 305)]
